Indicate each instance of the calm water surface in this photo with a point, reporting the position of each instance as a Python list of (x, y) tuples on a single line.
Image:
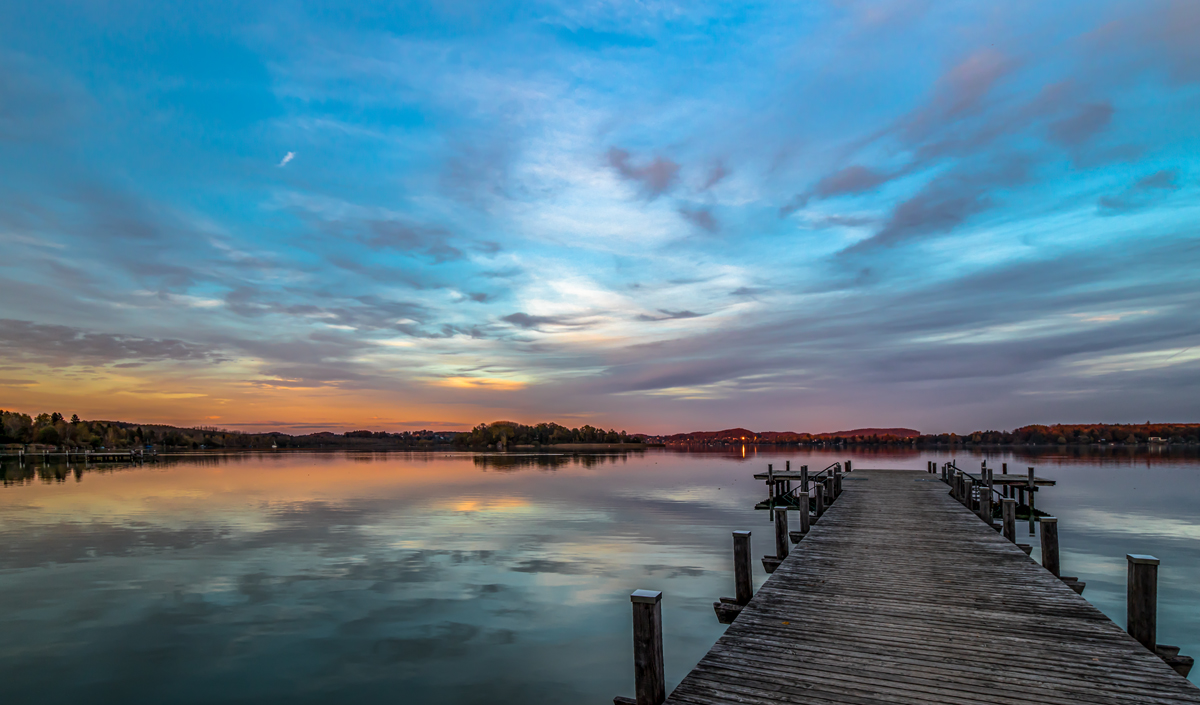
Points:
[(463, 578)]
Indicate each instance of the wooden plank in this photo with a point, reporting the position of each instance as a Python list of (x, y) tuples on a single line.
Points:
[(902, 595)]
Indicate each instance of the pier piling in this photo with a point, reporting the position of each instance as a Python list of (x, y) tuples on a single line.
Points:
[(1008, 513), (650, 684), (1141, 599), (1050, 546), (781, 534), (742, 567)]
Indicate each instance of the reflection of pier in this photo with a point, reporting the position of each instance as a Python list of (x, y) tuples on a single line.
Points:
[(87, 456), (899, 591)]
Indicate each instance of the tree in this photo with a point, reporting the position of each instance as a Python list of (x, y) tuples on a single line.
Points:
[(74, 418), (48, 435)]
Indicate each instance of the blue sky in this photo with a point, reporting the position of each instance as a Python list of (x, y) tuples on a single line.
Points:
[(653, 216)]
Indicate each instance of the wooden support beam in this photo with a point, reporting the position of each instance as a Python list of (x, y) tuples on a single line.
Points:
[(728, 608), (1050, 545), (804, 517), (1141, 599), (1008, 515), (781, 534), (742, 567), (650, 684)]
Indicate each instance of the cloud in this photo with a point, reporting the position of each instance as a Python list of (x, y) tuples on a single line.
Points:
[(960, 92), (668, 315), (287, 158), (850, 180), (1083, 125), (715, 176), (944, 203), (701, 218), (1141, 194), (840, 221), (655, 178), (61, 346), (530, 322)]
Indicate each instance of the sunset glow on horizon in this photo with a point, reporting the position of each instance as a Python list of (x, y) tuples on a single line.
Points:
[(651, 217)]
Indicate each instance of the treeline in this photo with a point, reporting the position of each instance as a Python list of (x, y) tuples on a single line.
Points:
[(1075, 434), (54, 430), (1057, 434), (502, 434)]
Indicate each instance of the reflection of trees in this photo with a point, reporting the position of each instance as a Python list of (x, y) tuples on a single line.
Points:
[(509, 462)]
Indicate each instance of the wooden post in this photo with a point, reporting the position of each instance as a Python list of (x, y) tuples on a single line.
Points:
[(1050, 545), (1008, 514), (781, 534), (1004, 471), (650, 685), (847, 466), (837, 483), (820, 495), (804, 518), (742, 569), (804, 479), (828, 482), (985, 505), (1032, 489), (1141, 600)]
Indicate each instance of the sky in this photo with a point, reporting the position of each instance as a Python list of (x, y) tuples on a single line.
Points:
[(649, 216)]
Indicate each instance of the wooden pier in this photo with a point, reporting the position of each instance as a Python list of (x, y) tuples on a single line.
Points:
[(901, 594), (87, 456)]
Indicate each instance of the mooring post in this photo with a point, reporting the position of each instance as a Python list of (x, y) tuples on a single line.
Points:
[(820, 495), (781, 533), (985, 505), (1008, 514), (804, 479), (1141, 600), (650, 685), (804, 518), (1004, 471), (742, 567), (1032, 489), (847, 466), (770, 482), (829, 496), (837, 483), (1050, 545)]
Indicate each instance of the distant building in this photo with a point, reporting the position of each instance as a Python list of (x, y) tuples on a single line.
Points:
[(1156, 439)]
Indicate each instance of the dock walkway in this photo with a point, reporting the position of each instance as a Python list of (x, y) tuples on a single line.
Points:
[(901, 595)]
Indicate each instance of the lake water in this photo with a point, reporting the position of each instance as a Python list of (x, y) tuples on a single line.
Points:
[(456, 577)]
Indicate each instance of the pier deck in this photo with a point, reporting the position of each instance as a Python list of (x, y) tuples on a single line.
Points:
[(901, 595)]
